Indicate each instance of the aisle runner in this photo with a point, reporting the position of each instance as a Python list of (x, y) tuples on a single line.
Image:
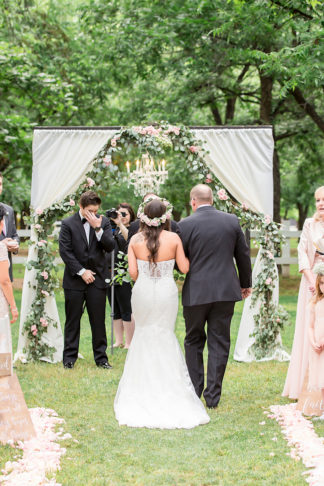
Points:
[(41, 454), (303, 440)]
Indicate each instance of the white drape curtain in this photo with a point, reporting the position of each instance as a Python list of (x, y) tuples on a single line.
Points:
[(240, 157), (61, 158), (242, 160)]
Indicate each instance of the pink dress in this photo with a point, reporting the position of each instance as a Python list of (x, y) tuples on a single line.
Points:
[(313, 232), (5, 329), (316, 360)]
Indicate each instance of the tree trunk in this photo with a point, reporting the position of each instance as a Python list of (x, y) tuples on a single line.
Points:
[(302, 215), (176, 215), (216, 114), (266, 118)]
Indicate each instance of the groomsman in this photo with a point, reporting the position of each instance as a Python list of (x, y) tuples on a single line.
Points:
[(212, 240), (84, 240), (9, 234)]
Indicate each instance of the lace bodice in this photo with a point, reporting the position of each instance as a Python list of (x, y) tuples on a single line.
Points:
[(156, 270)]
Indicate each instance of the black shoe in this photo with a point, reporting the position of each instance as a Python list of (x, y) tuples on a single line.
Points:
[(69, 364), (105, 365)]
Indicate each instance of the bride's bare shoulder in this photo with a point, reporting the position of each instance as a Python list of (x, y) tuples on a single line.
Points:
[(171, 236)]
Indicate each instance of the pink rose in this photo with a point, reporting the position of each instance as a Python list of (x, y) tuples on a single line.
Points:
[(44, 274), (34, 332), (267, 219), (194, 149), (72, 203), (209, 178), (38, 226), (270, 255), (39, 211), (44, 292), (33, 327), (43, 321), (155, 223), (245, 206), (173, 129), (90, 182), (107, 161), (278, 320), (268, 281), (40, 243), (113, 142), (222, 194)]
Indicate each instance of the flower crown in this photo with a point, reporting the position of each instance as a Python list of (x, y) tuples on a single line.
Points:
[(319, 268), (154, 221)]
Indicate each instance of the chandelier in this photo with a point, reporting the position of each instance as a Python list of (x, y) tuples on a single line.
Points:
[(147, 176)]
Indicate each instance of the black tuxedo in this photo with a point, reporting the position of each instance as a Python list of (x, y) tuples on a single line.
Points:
[(11, 231), (211, 240), (77, 254)]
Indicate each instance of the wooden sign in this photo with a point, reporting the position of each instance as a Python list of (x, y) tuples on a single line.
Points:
[(310, 402), (15, 421), (5, 364)]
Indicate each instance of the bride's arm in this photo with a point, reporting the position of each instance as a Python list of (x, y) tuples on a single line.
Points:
[(181, 259), (132, 262)]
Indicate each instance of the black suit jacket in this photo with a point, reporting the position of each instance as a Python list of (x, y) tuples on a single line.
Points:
[(11, 231), (76, 253), (211, 240), (134, 227)]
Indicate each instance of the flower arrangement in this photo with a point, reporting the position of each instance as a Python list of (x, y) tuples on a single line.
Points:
[(154, 140), (154, 221)]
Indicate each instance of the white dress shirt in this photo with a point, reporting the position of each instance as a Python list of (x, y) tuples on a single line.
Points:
[(86, 227)]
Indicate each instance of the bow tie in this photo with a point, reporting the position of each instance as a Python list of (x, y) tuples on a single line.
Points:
[(84, 220)]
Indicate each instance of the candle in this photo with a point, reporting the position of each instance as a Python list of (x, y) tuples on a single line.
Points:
[(128, 166)]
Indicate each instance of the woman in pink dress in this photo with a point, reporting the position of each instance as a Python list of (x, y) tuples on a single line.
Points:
[(310, 252), (7, 300), (316, 336)]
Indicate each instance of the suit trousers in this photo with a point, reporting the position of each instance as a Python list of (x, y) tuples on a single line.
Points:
[(94, 299), (218, 316)]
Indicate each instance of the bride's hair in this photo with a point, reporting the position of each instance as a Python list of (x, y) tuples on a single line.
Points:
[(154, 209)]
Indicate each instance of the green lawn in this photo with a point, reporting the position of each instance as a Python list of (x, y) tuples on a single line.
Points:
[(230, 450)]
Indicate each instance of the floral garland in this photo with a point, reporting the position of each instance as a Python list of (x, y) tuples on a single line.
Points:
[(154, 140), (154, 221)]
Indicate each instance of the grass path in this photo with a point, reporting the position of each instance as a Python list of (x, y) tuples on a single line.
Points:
[(233, 449)]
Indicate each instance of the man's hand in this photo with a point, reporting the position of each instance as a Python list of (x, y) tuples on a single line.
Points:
[(88, 276), (92, 219), (11, 244), (246, 292)]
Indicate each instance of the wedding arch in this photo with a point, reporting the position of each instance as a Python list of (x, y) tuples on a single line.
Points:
[(235, 161)]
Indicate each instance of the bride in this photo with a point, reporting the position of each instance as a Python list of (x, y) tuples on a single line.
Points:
[(155, 390)]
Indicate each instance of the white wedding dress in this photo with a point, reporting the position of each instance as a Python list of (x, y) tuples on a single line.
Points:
[(155, 390)]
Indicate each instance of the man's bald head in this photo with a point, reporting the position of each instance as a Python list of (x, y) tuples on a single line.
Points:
[(202, 194)]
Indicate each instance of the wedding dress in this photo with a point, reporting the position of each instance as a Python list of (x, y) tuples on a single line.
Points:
[(155, 390)]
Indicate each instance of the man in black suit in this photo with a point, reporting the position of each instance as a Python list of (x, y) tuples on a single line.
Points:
[(211, 240), (84, 240), (9, 234), (135, 225)]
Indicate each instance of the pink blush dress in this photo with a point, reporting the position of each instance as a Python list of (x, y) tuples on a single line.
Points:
[(316, 360)]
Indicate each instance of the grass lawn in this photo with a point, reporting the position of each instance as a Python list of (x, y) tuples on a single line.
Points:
[(230, 450)]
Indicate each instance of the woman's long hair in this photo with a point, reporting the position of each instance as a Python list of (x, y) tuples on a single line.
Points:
[(318, 293), (317, 192), (154, 209)]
